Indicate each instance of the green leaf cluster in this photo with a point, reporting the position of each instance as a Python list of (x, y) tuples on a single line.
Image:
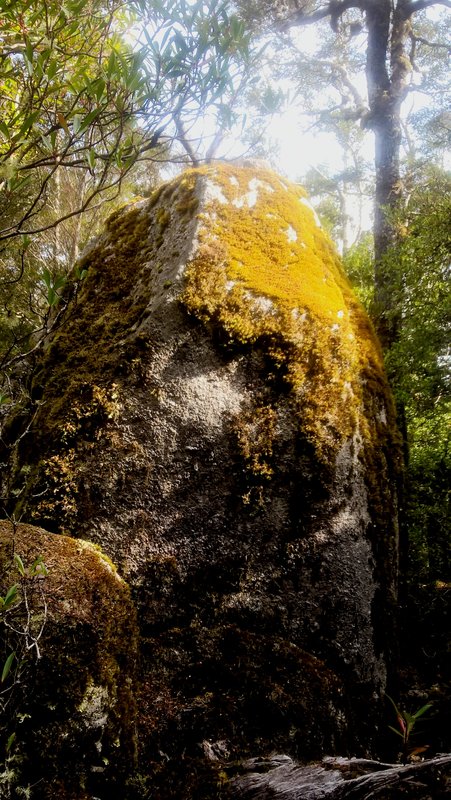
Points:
[(420, 362), (91, 92), (406, 723)]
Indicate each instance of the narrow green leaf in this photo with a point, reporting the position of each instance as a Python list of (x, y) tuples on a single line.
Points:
[(39, 68), (29, 51), (86, 122), (28, 123), (19, 564), (10, 742), (398, 733), (112, 64), (422, 711), (20, 183), (11, 595), (99, 89), (46, 141), (52, 69), (7, 666), (58, 283), (76, 123), (46, 277), (4, 130), (133, 83), (91, 157)]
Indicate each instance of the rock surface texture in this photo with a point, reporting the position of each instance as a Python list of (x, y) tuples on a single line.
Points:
[(212, 411)]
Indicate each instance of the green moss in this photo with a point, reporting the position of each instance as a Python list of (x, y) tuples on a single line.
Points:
[(188, 204), (264, 276), (163, 218), (83, 367)]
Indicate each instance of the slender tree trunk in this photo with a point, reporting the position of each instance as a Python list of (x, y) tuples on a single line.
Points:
[(387, 70)]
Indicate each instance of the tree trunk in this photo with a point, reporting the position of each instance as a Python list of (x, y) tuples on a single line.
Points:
[(387, 71)]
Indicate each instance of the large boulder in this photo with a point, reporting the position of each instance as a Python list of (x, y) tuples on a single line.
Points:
[(212, 411), (67, 705)]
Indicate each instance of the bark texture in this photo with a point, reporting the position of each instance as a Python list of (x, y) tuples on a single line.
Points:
[(342, 779)]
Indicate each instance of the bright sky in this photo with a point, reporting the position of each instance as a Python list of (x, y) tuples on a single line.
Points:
[(296, 151), (294, 145)]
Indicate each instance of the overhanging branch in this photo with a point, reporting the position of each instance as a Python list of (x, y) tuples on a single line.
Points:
[(334, 10)]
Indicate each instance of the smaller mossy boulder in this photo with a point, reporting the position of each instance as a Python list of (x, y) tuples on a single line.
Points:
[(68, 709)]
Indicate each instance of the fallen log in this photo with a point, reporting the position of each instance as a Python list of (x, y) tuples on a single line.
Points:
[(281, 777)]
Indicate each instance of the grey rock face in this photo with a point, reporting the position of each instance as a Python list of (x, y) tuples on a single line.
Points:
[(213, 413)]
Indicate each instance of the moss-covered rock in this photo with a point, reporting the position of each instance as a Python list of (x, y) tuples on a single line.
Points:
[(213, 412), (72, 710)]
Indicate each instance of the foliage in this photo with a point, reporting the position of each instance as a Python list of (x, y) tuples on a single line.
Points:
[(23, 616), (418, 362), (76, 94), (406, 723), (358, 263), (395, 45), (92, 96), (71, 89)]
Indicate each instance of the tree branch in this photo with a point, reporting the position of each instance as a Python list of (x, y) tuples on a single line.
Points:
[(428, 43), (334, 9), (420, 5)]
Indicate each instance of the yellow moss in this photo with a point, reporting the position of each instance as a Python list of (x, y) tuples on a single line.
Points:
[(163, 218), (266, 273), (255, 432)]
